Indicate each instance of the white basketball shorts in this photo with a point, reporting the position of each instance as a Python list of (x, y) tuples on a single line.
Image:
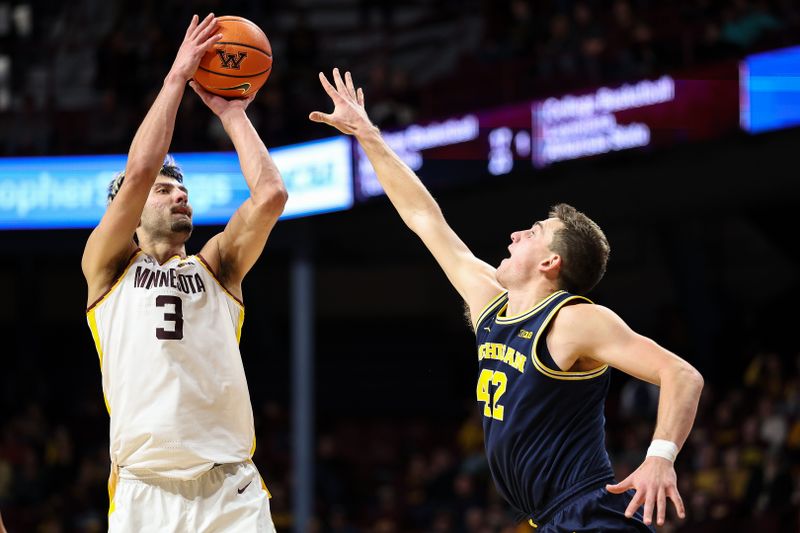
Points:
[(229, 498)]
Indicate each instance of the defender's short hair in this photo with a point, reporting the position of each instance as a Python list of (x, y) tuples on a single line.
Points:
[(583, 248), (169, 169)]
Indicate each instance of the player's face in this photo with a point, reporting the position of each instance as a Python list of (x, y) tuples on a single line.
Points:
[(528, 249), (167, 210)]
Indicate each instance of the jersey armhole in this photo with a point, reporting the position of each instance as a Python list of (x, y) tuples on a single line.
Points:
[(561, 374), (492, 306), (113, 286)]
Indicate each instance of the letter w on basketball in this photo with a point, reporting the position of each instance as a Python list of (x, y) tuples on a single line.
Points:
[(231, 60)]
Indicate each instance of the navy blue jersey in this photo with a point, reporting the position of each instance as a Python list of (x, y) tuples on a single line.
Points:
[(543, 427)]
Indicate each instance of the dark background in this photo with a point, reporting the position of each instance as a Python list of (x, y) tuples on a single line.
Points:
[(704, 256)]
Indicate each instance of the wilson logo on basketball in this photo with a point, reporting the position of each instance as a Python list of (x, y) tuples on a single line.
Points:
[(231, 61)]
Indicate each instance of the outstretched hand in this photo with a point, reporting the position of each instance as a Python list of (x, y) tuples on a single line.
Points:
[(219, 105), (349, 114), (654, 481), (199, 38)]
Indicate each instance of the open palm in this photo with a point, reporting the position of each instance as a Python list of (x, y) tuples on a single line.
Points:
[(348, 114)]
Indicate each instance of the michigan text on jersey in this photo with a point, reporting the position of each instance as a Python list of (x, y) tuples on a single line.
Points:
[(501, 352)]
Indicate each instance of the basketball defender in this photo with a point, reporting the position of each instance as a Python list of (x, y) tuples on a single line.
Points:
[(544, 351), (166, 326)]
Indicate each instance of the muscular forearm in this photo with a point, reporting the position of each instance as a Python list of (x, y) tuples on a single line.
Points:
[(152, 139), (677, 406), (262, 176), (404, 189)]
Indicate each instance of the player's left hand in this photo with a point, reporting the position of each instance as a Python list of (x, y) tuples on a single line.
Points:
[(349, 114), (654, 481), (221, 107)]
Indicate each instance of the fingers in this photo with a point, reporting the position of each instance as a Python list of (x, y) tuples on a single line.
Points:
[(316, 116), (636, 502), (348, 81), (328, 87), (337, 78), (192, 26), (620, 487), (199, 90), (360, 97), (211, 41), (677, 501), (247, 101), (203, 26), (661, 506), (202, 35)]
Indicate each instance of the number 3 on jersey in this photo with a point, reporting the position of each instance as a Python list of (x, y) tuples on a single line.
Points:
[(498, 379), (176, 317)]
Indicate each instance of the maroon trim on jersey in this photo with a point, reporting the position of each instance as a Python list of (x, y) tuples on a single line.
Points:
[(116, 280), (213, 275)]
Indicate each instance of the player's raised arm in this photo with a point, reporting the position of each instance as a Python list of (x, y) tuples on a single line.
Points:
[(232, 253), (473, 279), (597, 334), (111, 242)]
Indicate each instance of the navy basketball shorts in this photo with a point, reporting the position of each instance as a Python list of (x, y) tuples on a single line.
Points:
[(597, 510)]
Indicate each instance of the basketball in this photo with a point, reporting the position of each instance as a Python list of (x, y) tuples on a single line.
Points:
[(239, 64)]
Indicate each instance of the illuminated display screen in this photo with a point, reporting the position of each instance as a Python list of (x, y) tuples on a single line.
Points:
[(770, 90), (648, 113), (70, 192)]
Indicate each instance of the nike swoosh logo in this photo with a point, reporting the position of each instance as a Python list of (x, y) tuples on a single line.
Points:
[(245, 487), (244, 87), (487, 328)]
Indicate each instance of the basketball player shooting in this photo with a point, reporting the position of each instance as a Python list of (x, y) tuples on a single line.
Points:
[(166, 325), (544, 351)]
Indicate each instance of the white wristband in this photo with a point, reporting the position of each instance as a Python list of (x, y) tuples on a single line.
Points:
[(663, 448)]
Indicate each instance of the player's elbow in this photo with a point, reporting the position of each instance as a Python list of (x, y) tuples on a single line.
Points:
[(272, 200), (689, 378)]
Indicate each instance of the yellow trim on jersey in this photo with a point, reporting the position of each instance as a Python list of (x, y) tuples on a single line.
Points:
[(253, 447), (488, 308), (560, 374), (239, 324), (218, 282), (116, 283), (264, 486), (113, 478), (92, 319), (527, 314)]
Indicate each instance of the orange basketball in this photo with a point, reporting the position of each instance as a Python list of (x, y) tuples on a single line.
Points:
[(239, 64)]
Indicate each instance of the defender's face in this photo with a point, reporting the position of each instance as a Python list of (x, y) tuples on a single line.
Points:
[(167, 210), (528, 249)]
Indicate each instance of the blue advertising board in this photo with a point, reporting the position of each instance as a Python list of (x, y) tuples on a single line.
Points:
[(770, 90), (70, 192)]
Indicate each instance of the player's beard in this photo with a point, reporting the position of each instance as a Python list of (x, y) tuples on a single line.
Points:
[(182, 226)]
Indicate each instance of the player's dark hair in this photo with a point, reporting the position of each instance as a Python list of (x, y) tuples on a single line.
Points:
[(583, 248), (169, 169)]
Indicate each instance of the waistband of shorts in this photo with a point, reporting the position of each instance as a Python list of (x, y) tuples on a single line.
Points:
[(566, 497), (136, 474)]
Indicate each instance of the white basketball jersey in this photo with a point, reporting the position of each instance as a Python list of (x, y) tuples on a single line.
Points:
[(168, 340)]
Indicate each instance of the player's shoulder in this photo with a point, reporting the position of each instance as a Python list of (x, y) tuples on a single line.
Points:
[(583, 316)]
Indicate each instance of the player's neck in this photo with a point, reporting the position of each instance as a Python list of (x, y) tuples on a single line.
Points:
[(162, 251), (526, 297)]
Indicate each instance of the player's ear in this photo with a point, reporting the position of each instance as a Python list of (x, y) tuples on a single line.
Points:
[(551, 264)]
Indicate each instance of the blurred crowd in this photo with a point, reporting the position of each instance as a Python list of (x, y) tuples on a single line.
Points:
[(738, 471), (78, 77)]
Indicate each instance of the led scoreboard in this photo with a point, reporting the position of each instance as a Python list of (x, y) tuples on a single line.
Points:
[(648, 113)]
